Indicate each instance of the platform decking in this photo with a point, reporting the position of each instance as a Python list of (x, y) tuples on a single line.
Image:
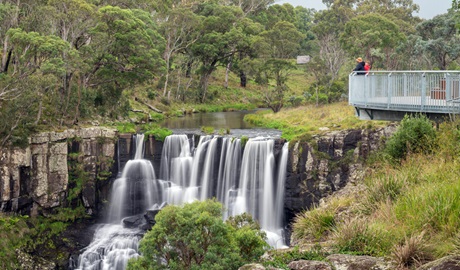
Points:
[(389, 95)]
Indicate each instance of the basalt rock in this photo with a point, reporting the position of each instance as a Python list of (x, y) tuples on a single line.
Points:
[(447, 263), (40, 178), (325, 164)]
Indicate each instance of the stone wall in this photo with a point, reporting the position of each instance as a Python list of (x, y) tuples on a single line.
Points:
[(36, 179)]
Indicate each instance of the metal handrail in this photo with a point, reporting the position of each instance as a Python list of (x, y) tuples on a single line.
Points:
[(433, 91)]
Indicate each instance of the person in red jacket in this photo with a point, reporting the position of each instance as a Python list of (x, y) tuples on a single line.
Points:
[(367, 67)]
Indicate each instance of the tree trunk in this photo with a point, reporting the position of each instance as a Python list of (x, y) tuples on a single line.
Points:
[(6, 56), (204, 85), (165, 87), (243, 79), (227, 70)]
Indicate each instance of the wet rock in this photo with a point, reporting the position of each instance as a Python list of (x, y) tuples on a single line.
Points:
[(133, 222), (150, 215)]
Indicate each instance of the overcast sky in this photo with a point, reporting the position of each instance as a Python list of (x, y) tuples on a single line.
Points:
[(428, 8)]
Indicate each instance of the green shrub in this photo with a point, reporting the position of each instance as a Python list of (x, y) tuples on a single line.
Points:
[(244, 140), (158, 133), (415, 135), (151, 94), (207, 130), (320, 98), (382, 189), (361, 237), (157, 117), (194, 236), (296, 100), (432, 205), (313, 224), (281, 258), (127, 127)]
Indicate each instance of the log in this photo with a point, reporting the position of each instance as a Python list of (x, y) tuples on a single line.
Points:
[(148, 105)]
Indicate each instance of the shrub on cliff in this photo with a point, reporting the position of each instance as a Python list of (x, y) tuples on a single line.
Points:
[(194, 236), (415, 135)]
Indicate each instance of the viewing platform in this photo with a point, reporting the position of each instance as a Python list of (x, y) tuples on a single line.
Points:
[(389, 95)]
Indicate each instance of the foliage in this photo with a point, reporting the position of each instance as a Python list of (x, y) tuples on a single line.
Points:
[(157, 132), (13, 230), (250, 239), (313, 224), (415, 134), (126, 127), (358, 236), (244, 140), (375, 32), (407, 211), (413, 252), (436, 38), (281, 258), (207, 130), (307, 120), (194, 236)]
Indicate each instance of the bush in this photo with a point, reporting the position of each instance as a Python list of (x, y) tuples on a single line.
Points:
[(296, 101), (415, 135), (360, 237), (413, 252), (322, 98), (207, 130), (158, 133), (313, 224), (281, 258), (194, 236)]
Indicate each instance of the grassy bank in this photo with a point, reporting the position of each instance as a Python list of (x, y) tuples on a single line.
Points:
[(305, 121), (406, 209)]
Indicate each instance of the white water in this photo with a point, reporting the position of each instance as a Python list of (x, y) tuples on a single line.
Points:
[(243, 182), (251, 182), (133, 193)]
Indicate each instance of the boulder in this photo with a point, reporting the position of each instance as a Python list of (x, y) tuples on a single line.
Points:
[(252, 266), (351, 262), (309, 265), (446, 263)]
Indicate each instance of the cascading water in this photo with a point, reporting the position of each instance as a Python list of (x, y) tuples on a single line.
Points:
[(245, 182), (251, 182), (132, 194)]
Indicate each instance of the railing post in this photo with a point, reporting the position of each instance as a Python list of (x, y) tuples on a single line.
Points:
[(405, 85), (423, 92), (390, 91), (448, 86), (350, 97)]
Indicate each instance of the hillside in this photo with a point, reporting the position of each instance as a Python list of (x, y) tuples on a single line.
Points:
[(405, 209)]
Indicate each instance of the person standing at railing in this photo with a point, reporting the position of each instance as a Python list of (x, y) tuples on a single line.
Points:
[(367, 67), (359, 69)]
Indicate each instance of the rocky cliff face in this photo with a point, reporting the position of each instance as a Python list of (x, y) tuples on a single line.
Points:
[(74, 167), (55, 165), (42, 176), (326, 164)]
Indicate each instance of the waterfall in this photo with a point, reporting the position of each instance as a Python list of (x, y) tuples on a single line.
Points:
[(243, 182), (132, 194), (251, 181)]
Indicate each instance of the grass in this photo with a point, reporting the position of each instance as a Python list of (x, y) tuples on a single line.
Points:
[(312, 120), (408, 212)]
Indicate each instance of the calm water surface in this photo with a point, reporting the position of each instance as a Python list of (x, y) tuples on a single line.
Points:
[(219, 120)]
